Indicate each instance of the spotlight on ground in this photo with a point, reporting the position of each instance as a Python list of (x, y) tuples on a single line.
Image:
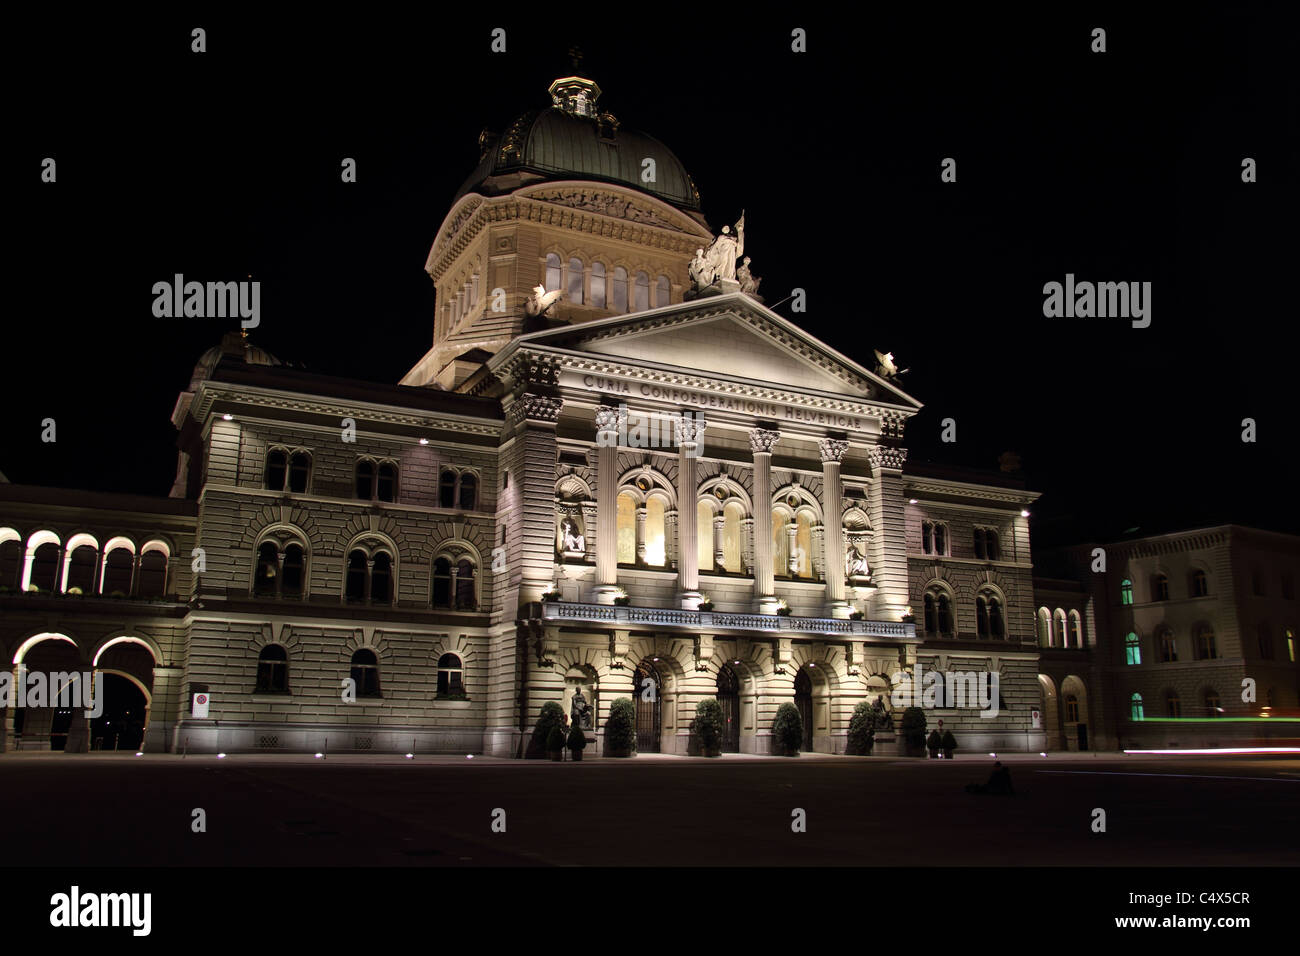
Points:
[(410, 756), (220, 756), (318, 756)]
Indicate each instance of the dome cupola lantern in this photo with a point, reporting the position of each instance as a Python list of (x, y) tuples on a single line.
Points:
[(575, 95)]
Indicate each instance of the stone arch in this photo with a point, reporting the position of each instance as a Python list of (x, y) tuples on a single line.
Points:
[(132, 636), (1051, 712), (358, 641), (458, 644), (31, 638), (1073, 686)]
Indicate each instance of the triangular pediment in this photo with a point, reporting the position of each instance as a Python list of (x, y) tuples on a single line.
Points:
[(727, 337)]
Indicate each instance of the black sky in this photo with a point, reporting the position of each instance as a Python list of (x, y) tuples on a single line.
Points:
[(1122, 166)]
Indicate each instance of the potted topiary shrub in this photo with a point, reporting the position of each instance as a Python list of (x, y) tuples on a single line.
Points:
[(862, 731), (913, 731), (620, 729), (856, 616), (933, 743), (908, 616), (787, 731), (551, 715), (949, 744), (577, 741), (707, 727), (550, 596), (783, 609), (622, 599), (555, 743)]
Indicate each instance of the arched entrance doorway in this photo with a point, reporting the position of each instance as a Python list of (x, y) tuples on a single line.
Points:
[(729, 699), (804, 701), (647, 690), (121, 726)]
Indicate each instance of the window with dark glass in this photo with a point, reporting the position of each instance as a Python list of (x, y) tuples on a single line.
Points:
[(465, 599), (268, 569), (277, 463), (447, 489), (292, 573), (381, 579), (981, 549), (451, 680), (981, 616), (1160, 588), (365, 479), (365, 673), (386, 484), (1168, 649), (1200, 584), (299, 470), (1212, 708), (356, 579), (273, 670), (468, 491), (442, 583)]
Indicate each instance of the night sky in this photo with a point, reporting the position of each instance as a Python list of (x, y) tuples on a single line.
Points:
[(1121, 166)]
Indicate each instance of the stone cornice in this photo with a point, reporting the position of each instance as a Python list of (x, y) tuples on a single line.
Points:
[(883, 456), (628, 217), (963, 490), (210, 394)]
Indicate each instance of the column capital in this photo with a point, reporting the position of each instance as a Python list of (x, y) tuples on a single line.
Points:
[(536, 408), (610, 419), (762, 440), (832, 449), (885, 456), (688, 429)]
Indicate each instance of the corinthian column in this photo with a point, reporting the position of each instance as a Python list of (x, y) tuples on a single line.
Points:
[(761, 442), (832, 521), (608, 421), (689, 431)]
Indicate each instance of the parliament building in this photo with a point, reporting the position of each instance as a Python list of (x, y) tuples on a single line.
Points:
[(614, 473)]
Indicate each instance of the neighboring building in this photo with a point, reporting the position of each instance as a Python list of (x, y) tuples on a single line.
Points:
[(1190, 625), (696, 453)]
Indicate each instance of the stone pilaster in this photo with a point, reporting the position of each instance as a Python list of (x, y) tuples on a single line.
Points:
[(608, 420), (532, 419), (689, 431), (832, 451), (761, 442), (889, 544)]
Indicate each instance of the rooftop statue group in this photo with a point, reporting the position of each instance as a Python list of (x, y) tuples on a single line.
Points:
[(717, 263)]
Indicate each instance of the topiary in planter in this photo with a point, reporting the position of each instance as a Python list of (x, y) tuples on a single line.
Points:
[(787, 731), (552, 715), (620, 729), (932, 743), (555, 742), (913, 731), (862, 731), (577, 741), (949, 743), (707, 727)]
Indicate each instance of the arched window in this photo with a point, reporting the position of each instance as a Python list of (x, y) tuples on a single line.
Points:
[(451, 676), (1045, 638), (1200, 584), (626, 539), (468, 491), (447, 489), (733, 513), (1212, 708), (1126, 591), (1132, 649), (780, 543), (803, 564), (1058, 621), (981, 544), (466, 597), (365, 673), (11, 560), (355, 590), (365, 478), (938, 613), (1168, 648), (662, 292), (277, 469), (575, 281), (117, 571), (940, 538), (982, 616), (1173, 706), (931, 614), (386, 484), (641, 295), (153, 574), (1071, 709), (655, 540), (997, 626), (704, 534), (81, 569), (1135, 707), (552, 272), (1206, 647), (273, 670), (1289, 635), (266, 577), (927, 537), (381, 579), (945, 616), (1076, 629), (619, 303), (1160, 587), (292, 573), (598, 284), (442, 583), (299, 472)]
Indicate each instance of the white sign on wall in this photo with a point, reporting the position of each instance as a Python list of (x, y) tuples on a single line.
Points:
[(1037, 718), (200, 710)]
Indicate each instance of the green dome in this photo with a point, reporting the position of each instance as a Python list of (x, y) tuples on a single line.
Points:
[(572, 140)]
